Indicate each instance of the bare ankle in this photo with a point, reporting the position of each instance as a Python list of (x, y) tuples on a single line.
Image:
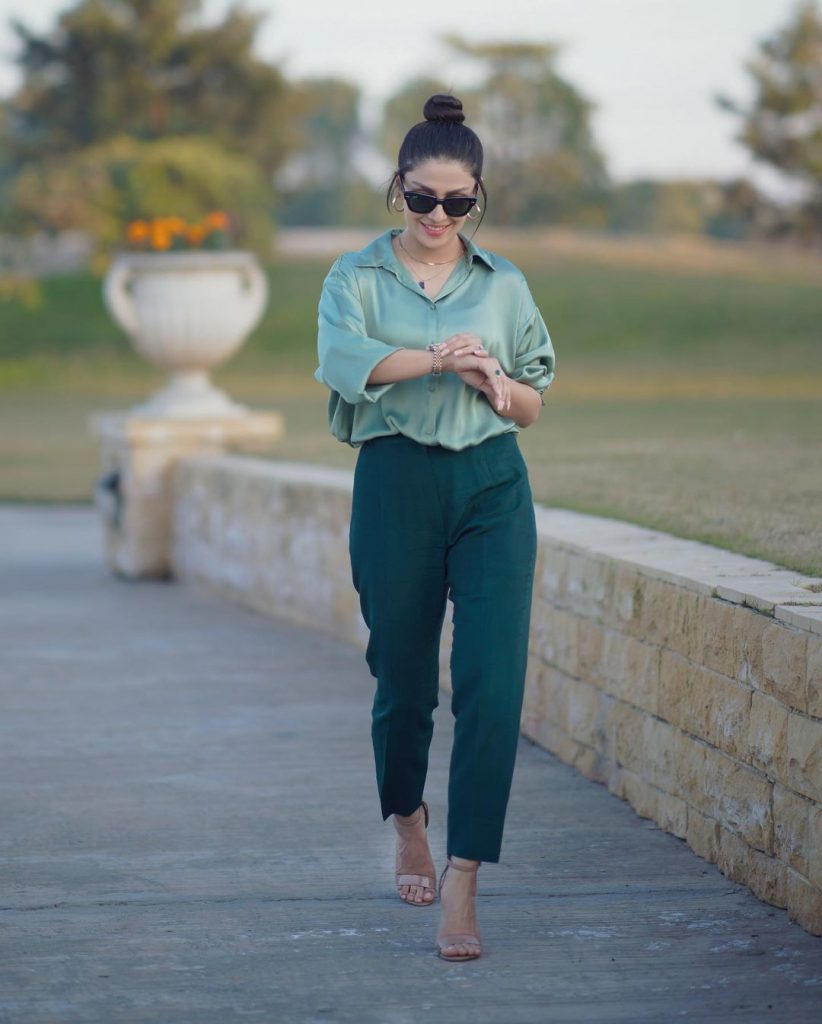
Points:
[(465, 862)]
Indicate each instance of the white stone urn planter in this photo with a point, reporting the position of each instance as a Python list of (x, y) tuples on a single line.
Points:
[(187, 312)]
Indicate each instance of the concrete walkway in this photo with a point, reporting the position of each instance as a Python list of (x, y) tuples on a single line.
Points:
[(191, 834)]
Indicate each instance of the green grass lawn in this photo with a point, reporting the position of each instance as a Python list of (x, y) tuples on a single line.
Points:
[(686, 399)]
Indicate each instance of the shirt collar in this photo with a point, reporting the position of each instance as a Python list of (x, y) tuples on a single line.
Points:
[(379, 253)]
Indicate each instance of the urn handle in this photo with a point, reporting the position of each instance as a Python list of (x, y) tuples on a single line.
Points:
[(118, 297), (256, 294)]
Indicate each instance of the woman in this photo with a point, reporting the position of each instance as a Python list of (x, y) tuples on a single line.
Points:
[(436, 355)]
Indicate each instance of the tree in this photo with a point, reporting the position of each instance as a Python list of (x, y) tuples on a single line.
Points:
[(542, 164), (678, 205), (320, 182), (150, 69), (404, 109), (328, 131), (745, 213), (783, 124)]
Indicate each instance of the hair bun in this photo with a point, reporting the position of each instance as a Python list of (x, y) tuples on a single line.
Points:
[(443, 108)]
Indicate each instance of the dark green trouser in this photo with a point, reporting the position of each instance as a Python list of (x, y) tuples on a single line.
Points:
[(428, 523)]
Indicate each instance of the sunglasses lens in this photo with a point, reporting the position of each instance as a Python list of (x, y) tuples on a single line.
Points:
[(418, 203), (458, 207)]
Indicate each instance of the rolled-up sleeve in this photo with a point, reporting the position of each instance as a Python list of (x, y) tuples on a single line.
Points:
[(346, 353), (534, 360)]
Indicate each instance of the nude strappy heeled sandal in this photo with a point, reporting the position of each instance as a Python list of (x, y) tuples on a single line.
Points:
[(446, 939), (415, 872)]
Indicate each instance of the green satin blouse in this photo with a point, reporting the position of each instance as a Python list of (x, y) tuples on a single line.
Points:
[(371, 305)]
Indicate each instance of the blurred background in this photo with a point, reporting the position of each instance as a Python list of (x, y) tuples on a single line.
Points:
[(654, 167)]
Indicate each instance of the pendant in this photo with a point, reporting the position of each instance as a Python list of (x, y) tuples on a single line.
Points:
[(422, 284)]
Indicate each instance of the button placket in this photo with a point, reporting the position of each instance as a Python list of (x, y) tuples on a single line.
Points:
[(432, 337), (433, 382)]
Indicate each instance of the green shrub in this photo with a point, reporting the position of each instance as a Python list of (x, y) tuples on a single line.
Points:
[(104, 187)]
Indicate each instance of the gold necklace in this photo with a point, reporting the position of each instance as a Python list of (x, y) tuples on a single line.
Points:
[(430, 263), (422, 280)]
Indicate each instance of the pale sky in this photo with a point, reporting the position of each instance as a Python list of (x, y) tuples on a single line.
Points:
[(650, 66)]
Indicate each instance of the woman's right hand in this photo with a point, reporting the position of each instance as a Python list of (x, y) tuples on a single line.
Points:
[(462, 352), (462, 344)]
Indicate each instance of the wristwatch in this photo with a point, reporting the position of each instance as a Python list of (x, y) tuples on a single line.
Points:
[(436, 363)]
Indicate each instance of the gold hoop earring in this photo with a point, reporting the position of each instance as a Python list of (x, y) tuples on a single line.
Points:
[(478, 214), (394, 207)]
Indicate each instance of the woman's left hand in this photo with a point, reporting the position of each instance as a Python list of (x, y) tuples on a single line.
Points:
[(500, 395), (500, 398), (473, 378)]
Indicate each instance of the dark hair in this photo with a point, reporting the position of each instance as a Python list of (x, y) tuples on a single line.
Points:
[(441, 136)]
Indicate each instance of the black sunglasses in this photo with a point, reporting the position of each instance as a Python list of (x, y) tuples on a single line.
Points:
[(422, 202)]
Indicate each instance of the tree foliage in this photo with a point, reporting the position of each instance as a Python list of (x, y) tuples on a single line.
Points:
[(404, 109), (327, 130), (783, 124), (321, 184), (150, 69), (101, 188)]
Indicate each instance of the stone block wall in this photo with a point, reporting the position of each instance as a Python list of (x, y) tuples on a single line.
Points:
[(686, 679), (272, 536)]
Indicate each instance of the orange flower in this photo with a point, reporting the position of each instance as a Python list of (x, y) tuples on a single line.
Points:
[(137, 231), (217, 219), (160, 236), (175, 232)]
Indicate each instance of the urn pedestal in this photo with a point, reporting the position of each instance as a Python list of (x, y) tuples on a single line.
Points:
[(185, 312), (134, 491)]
